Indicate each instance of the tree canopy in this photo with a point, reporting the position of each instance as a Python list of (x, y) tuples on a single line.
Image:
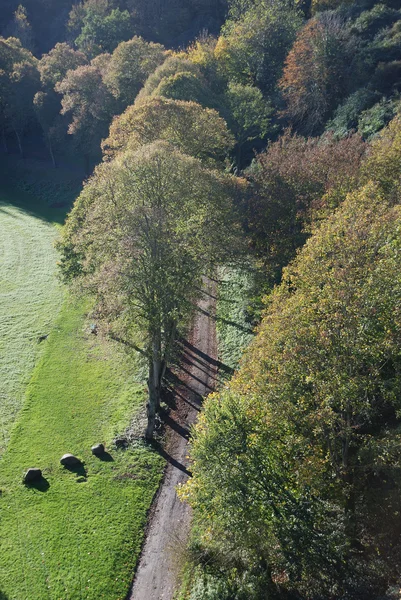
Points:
[(146, 228), (196, 131)]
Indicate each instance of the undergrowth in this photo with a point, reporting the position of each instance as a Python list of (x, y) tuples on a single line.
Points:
[(233, 314)]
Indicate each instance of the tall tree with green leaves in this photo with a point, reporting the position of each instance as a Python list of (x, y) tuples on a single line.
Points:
[(146, 228), (196, 131), (252, 49), (131, 64), (248, 115), (102, 33)]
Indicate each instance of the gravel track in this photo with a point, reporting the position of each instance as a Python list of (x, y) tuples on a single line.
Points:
[(157, 574)]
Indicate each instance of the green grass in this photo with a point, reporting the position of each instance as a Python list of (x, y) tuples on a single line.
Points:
[(30, 298), (78, 534), (234, 332), (80, 537)]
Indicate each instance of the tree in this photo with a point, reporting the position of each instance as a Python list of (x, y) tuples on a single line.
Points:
[(294, 184), (301, 454), (248, 115), (145, 229), (196, 131), (21, 29), (318, 71), (172, 66), (89, 105), (252, 50), (47, 110), (20, 81), (131, 64), (53, 66), (103, 33)]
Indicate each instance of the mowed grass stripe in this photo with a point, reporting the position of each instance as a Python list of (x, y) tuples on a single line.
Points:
[(79, 535), (30, 298)]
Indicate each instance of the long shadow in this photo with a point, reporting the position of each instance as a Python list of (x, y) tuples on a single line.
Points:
[(226, 321), (192, 361), (172, 391), (192, 376), (172, 461), (217, 363), (3, 596), (41, 485), (182, 431), (34, 203), (176, 381), (30, 205)]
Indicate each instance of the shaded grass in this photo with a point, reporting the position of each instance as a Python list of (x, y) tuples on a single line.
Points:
[(234, 331), (44, 192), (30, 298), (78, 535)]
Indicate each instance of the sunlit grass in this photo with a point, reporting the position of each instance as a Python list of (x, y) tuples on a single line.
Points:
[(79, 535), (30, 298)]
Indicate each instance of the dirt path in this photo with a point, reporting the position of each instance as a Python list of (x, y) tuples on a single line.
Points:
[(168, 529)]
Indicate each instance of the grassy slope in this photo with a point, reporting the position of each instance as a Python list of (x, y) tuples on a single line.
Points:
[(80, 536), (77, 535), (30, 299)]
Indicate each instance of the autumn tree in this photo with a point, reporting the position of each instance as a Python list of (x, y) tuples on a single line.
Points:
[(89, 105), (196, 131), (318, 71), (131, 64), (179, 79), (53, 68), (294, 184), (21, 29), (248, 115), (252, 50), (297, 464), (145, 229)]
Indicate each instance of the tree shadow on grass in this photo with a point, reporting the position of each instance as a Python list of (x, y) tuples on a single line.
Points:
[(3, 596)]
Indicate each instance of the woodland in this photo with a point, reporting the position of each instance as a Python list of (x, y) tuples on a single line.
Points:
[(260, 138)]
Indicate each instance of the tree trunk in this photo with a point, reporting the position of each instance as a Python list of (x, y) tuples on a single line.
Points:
[(154, 384), (19, 143), (239, 156), (51, 152), (168, 349)]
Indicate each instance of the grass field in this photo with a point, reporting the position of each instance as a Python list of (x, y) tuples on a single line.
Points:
[(77, 535), (30, 298)]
